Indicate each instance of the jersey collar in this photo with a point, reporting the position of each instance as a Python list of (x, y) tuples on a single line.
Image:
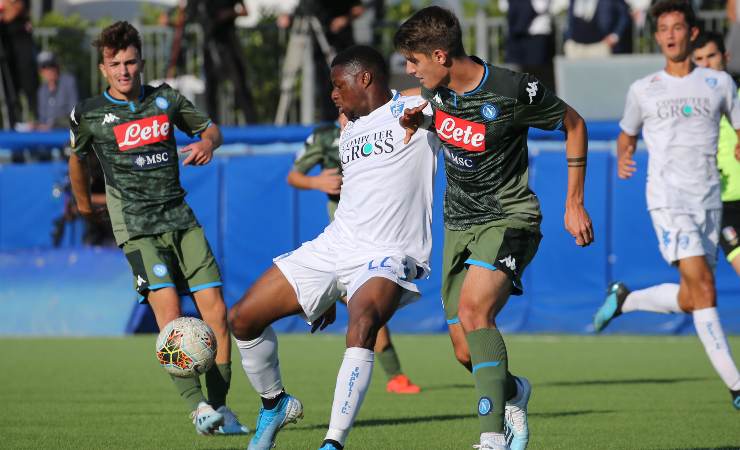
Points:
[(131, 104), (449, 93)]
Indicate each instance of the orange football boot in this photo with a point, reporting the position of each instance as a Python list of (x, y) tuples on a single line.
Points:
[(400, 384)]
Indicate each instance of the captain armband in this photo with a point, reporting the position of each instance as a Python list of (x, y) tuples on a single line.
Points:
[(576, 162)]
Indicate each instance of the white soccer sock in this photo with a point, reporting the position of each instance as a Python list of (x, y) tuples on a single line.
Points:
[(662, 298), (706, 322), (260, 362), (352, 383)]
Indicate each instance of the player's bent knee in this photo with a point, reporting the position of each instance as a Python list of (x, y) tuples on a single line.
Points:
[(363, 331), (241, 327), (473, 317)]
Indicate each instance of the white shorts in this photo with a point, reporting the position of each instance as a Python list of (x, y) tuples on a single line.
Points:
[(682, 234), (321, 274)]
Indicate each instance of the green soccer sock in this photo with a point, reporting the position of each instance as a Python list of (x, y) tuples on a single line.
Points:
[(190, 391), (388, 360), (218, 380), (488, 355), (510, 389)]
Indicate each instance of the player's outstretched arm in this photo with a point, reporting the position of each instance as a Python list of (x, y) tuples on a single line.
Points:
[(626, 146), (577, 221), (201, 152), (328, 181)]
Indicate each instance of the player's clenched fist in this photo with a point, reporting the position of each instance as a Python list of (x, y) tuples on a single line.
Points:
[(578, 224)]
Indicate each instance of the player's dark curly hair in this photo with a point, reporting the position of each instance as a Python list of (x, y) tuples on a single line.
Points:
[(667, 6), (705, 37), (362, 57), (430, 29), (119, 36)]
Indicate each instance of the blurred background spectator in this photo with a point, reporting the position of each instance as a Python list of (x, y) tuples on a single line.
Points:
[(222, 53), (530, 43), (596, 27), (19, 54), (336, 21), (57, 94), (733, 38)]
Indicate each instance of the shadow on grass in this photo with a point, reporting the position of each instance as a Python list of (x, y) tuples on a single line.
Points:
[(576, 383), (446, 387), (724, 447), (438, 418), (555, 415)]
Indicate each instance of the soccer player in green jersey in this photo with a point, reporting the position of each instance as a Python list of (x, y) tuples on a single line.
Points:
[(322, 148), (130, 129), (709, 51), (492, 218)]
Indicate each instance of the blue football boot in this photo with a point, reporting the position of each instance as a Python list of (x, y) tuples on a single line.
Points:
[(288, 410), (612, 307), (231, 425), (206, 419), (515, 416), (331, 445)]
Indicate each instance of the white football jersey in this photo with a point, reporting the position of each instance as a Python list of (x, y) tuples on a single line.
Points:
[(387, 186), (680, 125)]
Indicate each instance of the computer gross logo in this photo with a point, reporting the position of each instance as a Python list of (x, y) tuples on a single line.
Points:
[(377, 143)]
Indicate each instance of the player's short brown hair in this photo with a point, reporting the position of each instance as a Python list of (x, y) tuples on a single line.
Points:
[(430, 29), (119, 36), (667, 6)]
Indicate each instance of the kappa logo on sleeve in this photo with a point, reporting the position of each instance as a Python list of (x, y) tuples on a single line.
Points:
[(532, 91), (148, 130)]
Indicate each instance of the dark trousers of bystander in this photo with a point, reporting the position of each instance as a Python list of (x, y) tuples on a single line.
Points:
[(224, 59)]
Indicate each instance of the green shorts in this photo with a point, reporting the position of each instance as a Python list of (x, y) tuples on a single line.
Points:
[(181, 259), (501, 245), (331, 208)]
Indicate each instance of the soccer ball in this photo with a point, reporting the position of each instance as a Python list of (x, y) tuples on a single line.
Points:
[(186, 347)]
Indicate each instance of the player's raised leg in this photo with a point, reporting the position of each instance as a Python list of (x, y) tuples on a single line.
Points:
[(661, 298), (271, 298), (369, 309)]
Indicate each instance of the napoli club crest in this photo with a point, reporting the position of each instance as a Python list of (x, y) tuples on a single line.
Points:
[(489, 111), (162, 103)]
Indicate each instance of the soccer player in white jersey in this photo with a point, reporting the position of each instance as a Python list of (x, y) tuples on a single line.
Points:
[(377, 245), (679, 110)]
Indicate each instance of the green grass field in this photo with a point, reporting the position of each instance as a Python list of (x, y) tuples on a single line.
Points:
[(589, 393)]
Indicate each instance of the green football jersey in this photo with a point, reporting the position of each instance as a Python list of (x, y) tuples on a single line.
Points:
[(729, 166), (484, 137), (322, 148), (135, 143)]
